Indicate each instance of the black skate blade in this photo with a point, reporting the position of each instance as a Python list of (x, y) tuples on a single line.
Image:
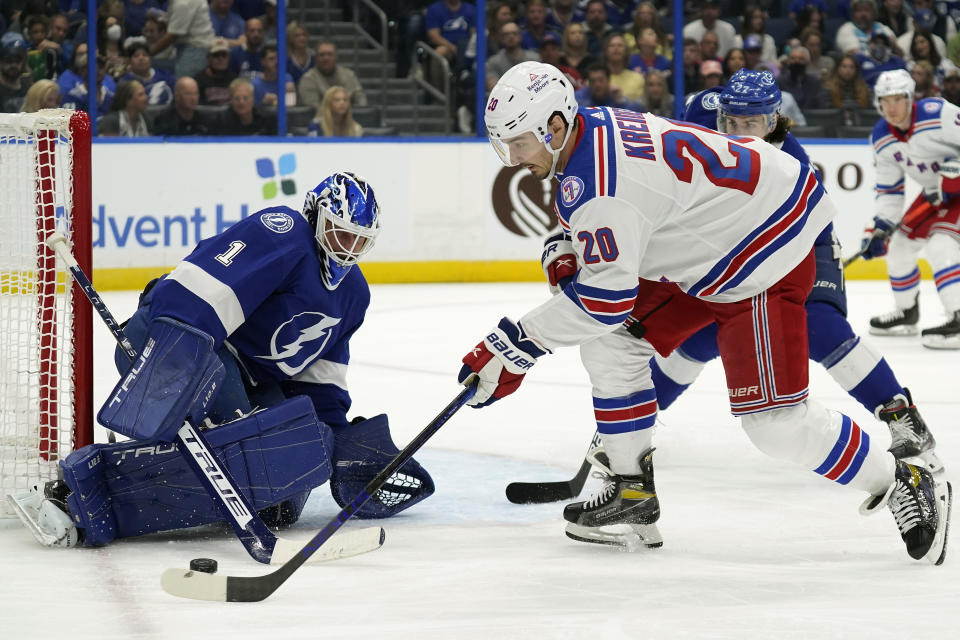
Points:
[(938, 551)]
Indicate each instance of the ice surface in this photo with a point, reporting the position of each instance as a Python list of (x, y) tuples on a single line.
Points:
[(752, 549)]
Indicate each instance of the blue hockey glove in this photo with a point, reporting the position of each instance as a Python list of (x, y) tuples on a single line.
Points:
[(500, 361), (175, 376), (875, 238), (559, 261)]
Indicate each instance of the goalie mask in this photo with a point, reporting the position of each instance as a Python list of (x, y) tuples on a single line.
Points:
[(520, 108), (344, 214), (749, 104)]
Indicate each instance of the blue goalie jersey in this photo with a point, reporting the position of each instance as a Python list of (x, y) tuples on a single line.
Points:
[(257, 286)]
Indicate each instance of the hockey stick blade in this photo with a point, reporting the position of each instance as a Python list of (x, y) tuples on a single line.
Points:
[(196, 585), (250, 529), (543, 492)]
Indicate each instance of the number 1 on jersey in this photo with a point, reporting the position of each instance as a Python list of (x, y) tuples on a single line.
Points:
[(226, 258)]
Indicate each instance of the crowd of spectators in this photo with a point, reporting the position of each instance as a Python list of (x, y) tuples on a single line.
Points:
[(211, 67)]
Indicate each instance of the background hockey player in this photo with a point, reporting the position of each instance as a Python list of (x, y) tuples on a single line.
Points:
[(920, 140), (749, 105), (655, 212), (268, 306)]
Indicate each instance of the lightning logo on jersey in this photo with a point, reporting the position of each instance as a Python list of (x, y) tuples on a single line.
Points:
[(299, 340)]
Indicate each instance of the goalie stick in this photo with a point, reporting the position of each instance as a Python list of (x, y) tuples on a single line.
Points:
[(205, 586), (541, 492), (262, 545)]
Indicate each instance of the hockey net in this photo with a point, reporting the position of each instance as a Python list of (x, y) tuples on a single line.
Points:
[(46, 366)]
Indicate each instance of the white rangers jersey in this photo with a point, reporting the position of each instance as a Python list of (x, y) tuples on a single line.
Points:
[(646, 197), (933, 136)]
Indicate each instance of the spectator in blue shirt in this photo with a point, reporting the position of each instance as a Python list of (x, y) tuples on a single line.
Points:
[(535, 27), (135, 14), (73, 84), (299, 56), (158, 84), (227, 24), (265, 86), (245, 58), (647, 57), (449, 24), (878, 58)]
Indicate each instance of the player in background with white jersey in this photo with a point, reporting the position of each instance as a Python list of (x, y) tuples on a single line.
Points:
[(655, 210), (920, 140), (266, 309), (749, 104)]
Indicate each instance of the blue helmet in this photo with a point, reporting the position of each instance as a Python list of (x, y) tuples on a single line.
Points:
[(749, 93), (344, 214)]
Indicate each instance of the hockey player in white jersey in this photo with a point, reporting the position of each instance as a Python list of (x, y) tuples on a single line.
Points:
[(679, 226), (920, 140)]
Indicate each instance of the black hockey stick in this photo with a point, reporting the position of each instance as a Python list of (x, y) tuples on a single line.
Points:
[(540, 492), (262, 545), (206, 586)]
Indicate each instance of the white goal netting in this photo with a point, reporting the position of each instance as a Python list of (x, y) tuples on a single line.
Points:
[(39, 341)]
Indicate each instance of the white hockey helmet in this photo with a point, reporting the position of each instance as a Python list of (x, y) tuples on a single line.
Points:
[(523, 101), (893, 83)]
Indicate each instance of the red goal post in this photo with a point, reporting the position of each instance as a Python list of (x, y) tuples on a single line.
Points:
[(46, 341)]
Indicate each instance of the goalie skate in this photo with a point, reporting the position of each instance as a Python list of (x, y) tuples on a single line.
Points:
[(622, 513), (45, 515), (899, 322)]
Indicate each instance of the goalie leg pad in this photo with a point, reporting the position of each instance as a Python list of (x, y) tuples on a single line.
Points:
[(360, 452), (175, 376), (132, 488)]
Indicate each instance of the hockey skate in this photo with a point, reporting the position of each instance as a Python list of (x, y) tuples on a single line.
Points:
[(900, 322), (911, 440), (43, 510), (946, 336), (623, 513), (921, 508)]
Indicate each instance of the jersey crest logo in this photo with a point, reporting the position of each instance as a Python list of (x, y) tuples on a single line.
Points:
[(570, 190), (277, 221), (711, 101), (297, 342)]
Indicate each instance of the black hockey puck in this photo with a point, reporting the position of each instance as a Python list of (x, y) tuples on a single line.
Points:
[(206, 565)]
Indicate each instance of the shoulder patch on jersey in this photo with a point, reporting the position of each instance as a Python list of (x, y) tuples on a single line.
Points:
[(570, 190), (276, 221), (931, 107), (710, 101)]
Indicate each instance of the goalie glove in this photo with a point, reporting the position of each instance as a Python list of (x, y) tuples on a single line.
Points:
[(559, 261), (875, 238), (500, 361)]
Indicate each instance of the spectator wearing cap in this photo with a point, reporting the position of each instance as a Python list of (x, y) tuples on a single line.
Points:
[(753, 56), (327, 73), (509, 55), (181, 118), (245, 58), (805, 86), (214, 81), (189, 28), (158, 84), (600, 92), (227, 24), (629, 82), (854, 36), (711, 74), (951, 85), (923, 21), (551, 54), (14, 81), (755, 23), (708, 21), (878, 58), (536, 27), (647, 57), (943, 25), (597, 27)]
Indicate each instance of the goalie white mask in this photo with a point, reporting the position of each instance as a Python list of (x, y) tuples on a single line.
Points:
[(519, 110)]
